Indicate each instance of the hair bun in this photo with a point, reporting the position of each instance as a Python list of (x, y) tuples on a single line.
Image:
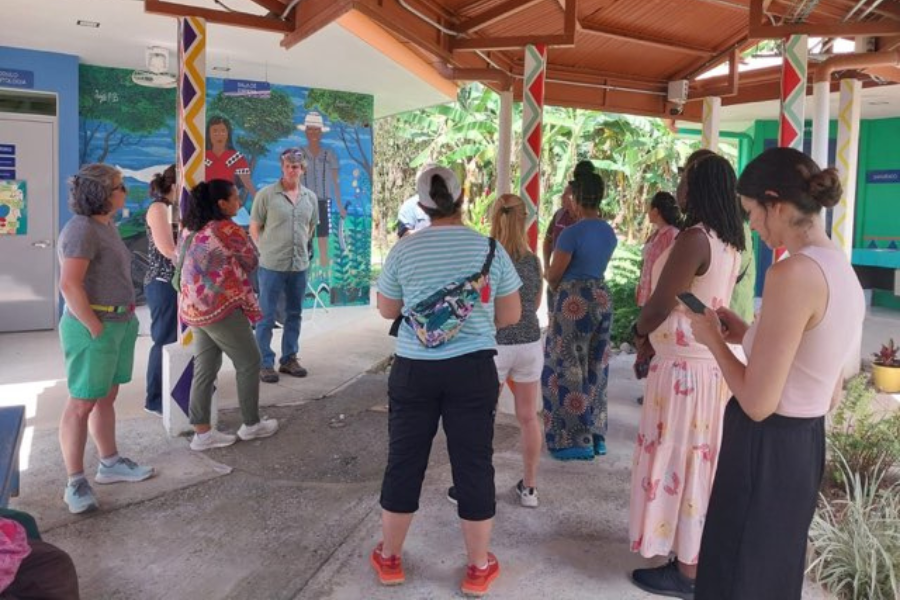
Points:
[(825, 188)]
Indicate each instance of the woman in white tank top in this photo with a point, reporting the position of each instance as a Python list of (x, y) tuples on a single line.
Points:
[(773, 444)]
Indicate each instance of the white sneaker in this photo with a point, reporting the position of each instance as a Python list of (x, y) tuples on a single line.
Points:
[(263, 429), (214, 439), (527, 495)]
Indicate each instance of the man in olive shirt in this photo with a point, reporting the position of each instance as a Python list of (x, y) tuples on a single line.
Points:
[(283, 220)]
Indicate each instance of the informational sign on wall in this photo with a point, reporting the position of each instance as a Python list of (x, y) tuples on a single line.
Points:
[(889, 176), (7, 161), (16, 78), (239, 87), (13, 208)]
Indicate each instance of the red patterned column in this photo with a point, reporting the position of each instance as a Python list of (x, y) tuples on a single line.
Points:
[(532, 120)]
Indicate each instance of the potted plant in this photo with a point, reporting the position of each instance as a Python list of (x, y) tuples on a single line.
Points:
[(886, 368)]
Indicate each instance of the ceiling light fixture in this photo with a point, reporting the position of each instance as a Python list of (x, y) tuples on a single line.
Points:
[(91, 24)]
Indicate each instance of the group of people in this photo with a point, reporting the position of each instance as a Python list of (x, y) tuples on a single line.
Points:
[(730, 445), (200, 277)]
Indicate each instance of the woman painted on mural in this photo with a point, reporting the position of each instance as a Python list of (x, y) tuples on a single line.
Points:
[(222, 160)]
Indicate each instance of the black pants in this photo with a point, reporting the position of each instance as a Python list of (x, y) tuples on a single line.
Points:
[(462, 393), (762, 503)]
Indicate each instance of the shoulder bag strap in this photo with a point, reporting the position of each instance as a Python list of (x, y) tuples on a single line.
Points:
[(492, 247)]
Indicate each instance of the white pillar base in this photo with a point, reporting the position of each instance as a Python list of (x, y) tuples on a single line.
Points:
[(175, 359)]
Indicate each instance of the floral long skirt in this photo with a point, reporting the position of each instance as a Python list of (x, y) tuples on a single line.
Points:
[(576, 365)]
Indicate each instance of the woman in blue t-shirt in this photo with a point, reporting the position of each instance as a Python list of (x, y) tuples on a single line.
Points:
[(454, 383), (576, 356)]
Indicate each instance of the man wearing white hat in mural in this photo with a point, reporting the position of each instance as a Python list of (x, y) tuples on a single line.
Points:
[(322, 177)]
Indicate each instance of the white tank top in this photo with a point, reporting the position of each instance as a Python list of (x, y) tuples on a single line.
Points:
[(826, 348)]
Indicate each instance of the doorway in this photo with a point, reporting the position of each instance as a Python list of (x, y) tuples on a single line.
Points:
[(29, 207)]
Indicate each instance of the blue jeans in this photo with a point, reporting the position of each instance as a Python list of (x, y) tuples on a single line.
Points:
[(163, 302), (272, 286)]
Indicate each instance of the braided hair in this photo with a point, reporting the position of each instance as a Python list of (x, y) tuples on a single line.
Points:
[(712, 200)]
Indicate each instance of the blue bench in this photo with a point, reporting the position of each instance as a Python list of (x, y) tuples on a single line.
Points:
[(12, 426)]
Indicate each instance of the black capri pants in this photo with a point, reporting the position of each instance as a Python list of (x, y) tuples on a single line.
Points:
[(762, 503), (462, 393)]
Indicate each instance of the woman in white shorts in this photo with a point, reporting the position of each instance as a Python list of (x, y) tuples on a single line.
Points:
[(520, 354)]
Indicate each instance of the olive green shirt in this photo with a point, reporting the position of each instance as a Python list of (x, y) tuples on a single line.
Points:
[(285, 227)]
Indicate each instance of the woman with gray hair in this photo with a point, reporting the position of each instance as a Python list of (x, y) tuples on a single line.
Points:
[(98, 330)]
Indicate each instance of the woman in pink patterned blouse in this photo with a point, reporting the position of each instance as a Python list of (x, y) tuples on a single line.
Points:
[(217, 301), (665, 216)]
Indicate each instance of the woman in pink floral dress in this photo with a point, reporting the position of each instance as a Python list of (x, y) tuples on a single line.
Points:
[(685, 394)]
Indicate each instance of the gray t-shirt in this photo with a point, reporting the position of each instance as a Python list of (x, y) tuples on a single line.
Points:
[(527, 330), (108, 277)]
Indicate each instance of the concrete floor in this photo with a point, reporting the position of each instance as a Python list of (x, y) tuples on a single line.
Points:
[(295, 516)]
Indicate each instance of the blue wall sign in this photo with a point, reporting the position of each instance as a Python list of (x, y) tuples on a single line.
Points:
[(7, 174), (891, 176), (8, 161), (239, 87), (7, 149), (16, 78)]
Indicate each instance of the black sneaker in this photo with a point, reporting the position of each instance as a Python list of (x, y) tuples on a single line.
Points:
[(451, 496), (666, 580)]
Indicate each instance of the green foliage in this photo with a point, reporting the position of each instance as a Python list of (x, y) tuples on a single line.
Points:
[(861, 437), (856, 537), (395, 175), (259, 121), (350, 270), (117, 112), (348, 108), (622, 276), (636, 156), (479, 213)]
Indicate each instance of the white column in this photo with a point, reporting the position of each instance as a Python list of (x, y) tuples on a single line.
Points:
[(504, 143), (821, 92), (846, 159), (709, 138)]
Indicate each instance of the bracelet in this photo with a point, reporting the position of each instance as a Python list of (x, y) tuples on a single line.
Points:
[(635, 332)]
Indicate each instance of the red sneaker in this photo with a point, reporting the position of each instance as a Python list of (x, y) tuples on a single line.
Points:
[(389, 570), (478, 581)]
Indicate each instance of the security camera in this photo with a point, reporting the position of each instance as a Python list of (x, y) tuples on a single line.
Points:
[(674, 109)]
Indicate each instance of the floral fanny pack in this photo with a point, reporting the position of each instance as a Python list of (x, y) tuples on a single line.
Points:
[(438, 318)]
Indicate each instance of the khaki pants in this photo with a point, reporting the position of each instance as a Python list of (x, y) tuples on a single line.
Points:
[(233, 336)]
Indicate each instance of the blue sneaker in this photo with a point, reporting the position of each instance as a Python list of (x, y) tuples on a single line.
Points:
[(124, 470), (599, 445), (80, 497)]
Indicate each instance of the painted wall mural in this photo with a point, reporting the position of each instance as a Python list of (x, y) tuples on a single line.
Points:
[(133, 128)]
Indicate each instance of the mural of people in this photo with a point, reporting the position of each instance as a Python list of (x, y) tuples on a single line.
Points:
[(323, 178), (245, 138), (223, 161)]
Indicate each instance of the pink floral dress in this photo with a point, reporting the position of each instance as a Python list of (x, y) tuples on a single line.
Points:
[(680, 428)]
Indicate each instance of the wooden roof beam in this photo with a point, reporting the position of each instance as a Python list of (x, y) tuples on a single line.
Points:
[(236, 19), (566, 39), (731, 85), (495, 14), (312, 15), (759, 31), (644, 40)]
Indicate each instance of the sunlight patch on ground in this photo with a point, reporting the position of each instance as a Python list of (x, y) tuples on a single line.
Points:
[(25, 394)]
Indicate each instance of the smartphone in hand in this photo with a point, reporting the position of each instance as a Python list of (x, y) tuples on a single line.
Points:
[(692, 302)]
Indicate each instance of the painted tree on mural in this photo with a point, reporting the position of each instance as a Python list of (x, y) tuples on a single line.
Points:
[(116, 112), (259, 122), (347, 112)]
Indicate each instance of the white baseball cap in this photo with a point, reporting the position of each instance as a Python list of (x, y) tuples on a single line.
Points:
[(423, 184)]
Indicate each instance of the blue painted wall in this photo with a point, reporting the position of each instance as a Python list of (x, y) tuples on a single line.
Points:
[(58, 73)]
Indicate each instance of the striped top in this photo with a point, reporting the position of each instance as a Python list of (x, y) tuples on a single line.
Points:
[(421, 264)]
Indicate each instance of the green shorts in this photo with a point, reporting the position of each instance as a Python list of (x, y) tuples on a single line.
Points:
[(93, 366)]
